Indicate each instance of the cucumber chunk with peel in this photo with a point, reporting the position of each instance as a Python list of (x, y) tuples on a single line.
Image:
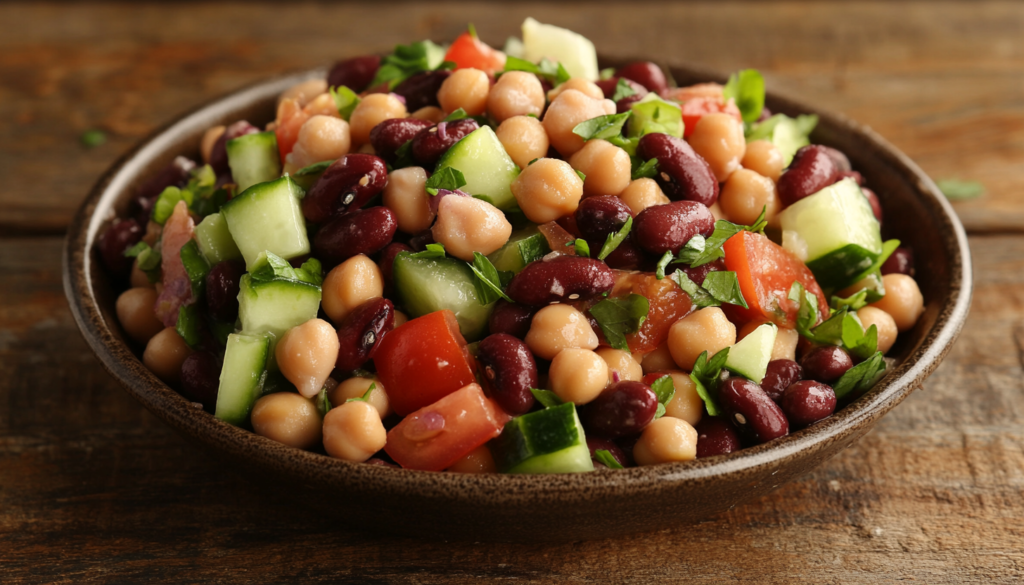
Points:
[(574, 51), (487, 168), (268, 217), (215, 240), (241, 376), (254, 158), (545, 441), (425, 285)]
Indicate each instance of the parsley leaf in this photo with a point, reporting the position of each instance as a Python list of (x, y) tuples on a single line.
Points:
[(629, 145), (747, 88), (653, 114), (366, 395), (403, 156), (533, 248), (345, 100), (603, 127), (448, 178), (546, 397), (456, 115), (861, 377), (147, 258), (488, 280), (615, 239), (93, 138), (723, 231), (719, 287), (606, 458), (647, 170), (581, 246), (580, 174), (165, 202), (688, 254), (269, 266), (620, 317), (787, 134), (664, 389), (888, 247), (856, 301), (432, 251), (957, 190), (706, 375), (553, 72), (408, 60), (323, 403), (807, 315), (622, 90)]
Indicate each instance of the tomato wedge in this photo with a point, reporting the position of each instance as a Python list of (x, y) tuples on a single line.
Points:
[(766, 272), (696, 108), (469, 51)]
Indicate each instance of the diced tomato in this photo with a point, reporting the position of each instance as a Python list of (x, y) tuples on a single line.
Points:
[(469, 51), (177, 289), (766, 272), (696, 108), (423, 361), (436, 436), (558, 238), (290, 118)]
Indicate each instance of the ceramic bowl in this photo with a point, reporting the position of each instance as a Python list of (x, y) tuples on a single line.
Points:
[(531, 508)]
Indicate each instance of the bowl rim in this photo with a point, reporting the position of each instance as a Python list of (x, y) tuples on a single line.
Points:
[(175, 410)]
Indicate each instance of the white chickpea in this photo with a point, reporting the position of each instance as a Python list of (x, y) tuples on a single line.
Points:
[(578, 375), (467, 89), (686, 404), (665, 440), (524, 139), (621, 365), (786, 341), (136, 315), (138, 278), (547, 190), (306, 355), (706, 329), (165, 353), (516, 93), (884, 324), (355, 388), (304, 92), (658, 360), (350, 284), (716, 211), (718, 139), (321, 138), (406, 195), (210, 138), (372, 110), (605, 165), (430, 113), (584, 86), (902, 300), (643, 193), (569, 109), (353, 431), (763, 158), (478, 460), (870, 282), (287, 418), (466, 224), (322, 105), (745, 193), (558, 327), (400, 319)]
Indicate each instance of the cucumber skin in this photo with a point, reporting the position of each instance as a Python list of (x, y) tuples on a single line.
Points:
[(241, 377), (545, 441), (452, 284), (276, 306), (268, 217), (253, 158)]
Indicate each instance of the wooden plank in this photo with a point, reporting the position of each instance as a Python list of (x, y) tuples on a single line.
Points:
[(93, 487), (942, 81)]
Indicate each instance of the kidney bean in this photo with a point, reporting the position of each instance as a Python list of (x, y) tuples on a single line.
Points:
[(752, 410), (364, 231), (386, 263), (355, 73), (876, 205), (219, 154), (608, 86), (596, 217), (595, 443), (701, 272), (646, 74), (716, 436), (346, 185), (826, 363), (118, 237), (420, 90), (626, 257), (388, 136), (682, 173), (200, 378), (842, 163), (779, 376), (510, 372), (811, 171), (510, 318), (624, 408), (669, 227), (360, 332), (807, 402), (625, 104), (857, 177), (560, 279), (431, 143), (223, 283), (900, 262)]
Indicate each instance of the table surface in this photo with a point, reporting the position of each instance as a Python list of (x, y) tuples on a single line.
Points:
[(93, 487)]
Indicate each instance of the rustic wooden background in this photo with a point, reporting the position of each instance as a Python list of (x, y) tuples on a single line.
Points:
[(92, 487)]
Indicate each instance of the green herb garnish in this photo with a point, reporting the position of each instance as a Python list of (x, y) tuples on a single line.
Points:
[(448, 178), (620, 317), (613, 240)]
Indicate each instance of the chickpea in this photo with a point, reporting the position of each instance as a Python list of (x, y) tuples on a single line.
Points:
[(569, 109), (367, 149), (659, 360), (524, 139), (718, 139), (466, 225), (641, 194), (516, 93), (621, 363), (558, 327), (707, 329), (763, 158), (374, 109), (467, 89), (165, 353), (210, 138), (406, 195), (786, 341), (884, 324), (716, 211), (138, 278), (902, 300), (547, 190), (287, 418), (870, 282), (745, 193), (350, 284), (356, 387), (306, 355), (664, 440), (686, 404), (353, 431), (606, 166), (322, 105), (400, 319), (304, 92), (478, 460), (587, 88), (321, 138), (431, 113), (136, 315), (578, 375)]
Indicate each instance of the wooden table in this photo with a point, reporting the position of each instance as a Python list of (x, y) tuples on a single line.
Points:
[(93, 487)]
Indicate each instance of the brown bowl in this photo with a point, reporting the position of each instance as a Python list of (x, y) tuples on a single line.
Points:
[(530, 508)]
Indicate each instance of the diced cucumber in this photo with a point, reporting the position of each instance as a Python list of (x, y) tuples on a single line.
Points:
[(546, 441), (834, 232), (488, 169), (574, 51), (268, 217), (425, 285), (523, 247), (653, 114), (275, 306), (787, 134), (215, 240), (750, 356), (254, 158), (241, 376)]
